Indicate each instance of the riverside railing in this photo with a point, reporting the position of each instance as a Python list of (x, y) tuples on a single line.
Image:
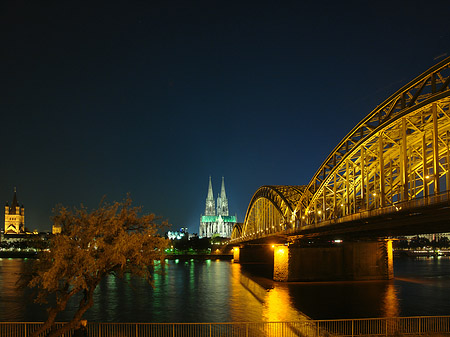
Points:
[(399, 326)]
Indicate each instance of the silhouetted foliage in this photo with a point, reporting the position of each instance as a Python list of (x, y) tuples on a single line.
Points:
[(402, 243), (443, 242), (111, 240), (200, 244), (182, 243), (419, 242)]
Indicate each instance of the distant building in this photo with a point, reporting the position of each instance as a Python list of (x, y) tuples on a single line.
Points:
[(177, 235), (14, 217), (216, 220), (56, 229)]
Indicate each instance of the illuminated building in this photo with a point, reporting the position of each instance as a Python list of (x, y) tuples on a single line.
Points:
[(216, 220), (56, 229), (14, 217), (177, 235)]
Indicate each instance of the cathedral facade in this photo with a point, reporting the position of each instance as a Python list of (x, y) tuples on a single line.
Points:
[(14, 217), (216, 219)]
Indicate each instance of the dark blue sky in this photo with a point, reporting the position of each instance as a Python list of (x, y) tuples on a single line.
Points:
[(153, 97)]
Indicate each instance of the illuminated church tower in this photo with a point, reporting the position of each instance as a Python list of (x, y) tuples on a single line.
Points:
[(216, 220), (210, 209), (14, 217)]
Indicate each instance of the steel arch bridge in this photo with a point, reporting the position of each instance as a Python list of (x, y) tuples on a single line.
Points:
[(396, 157)]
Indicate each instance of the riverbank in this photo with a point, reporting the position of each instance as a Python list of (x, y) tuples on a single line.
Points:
[(421, 253), (201, 257), (5, 254)]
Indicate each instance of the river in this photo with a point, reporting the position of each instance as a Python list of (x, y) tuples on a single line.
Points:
[(221, 291)]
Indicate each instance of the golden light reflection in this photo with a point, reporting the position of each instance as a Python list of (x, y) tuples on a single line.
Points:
[(391, 305), (278, 306), (10, 278), (243, 291)]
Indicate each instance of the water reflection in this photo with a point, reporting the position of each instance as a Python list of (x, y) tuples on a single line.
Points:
[(278, 306), (244, 303), (391, 302), (220, 291), (9, 292), (334, 300)]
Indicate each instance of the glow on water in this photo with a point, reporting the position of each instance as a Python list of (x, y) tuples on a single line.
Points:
[(219, 291)]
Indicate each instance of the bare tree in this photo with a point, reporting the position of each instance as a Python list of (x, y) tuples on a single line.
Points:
[(113, 239)]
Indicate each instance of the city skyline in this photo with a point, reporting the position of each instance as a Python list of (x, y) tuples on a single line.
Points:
[(152, 99)]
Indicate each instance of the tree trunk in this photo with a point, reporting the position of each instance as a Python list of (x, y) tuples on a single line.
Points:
[(85, 303)]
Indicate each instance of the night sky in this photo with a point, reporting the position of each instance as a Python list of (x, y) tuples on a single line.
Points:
[(152, 98)]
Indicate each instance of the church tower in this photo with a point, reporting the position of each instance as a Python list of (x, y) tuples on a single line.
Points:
[(216, 220), (222, 201), (14, 217), (210, 207)]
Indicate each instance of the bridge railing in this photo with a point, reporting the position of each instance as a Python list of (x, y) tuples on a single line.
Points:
[(397, 326)]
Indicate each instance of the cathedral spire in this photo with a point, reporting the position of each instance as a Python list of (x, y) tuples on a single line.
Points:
[(210, 191), (222, 201), (15, 203), (223, 195), (216, 221), (210, 207)]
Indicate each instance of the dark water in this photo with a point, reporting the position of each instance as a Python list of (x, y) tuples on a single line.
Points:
[(217, 291)]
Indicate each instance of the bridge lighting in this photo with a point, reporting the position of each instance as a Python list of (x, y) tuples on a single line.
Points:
[(374, 194), (342, 205), (319, 212), (427, 177), (280, 251)]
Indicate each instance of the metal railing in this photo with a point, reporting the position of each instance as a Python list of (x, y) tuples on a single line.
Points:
[(314, 328)]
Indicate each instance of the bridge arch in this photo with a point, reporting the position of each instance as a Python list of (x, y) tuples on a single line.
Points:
[(270, 210), (398, 153)]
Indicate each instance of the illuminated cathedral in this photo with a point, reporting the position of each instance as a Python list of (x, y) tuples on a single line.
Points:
[(216, 220), (14, 217)]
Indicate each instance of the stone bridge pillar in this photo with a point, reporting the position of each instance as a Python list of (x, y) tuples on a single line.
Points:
[(362, 260)]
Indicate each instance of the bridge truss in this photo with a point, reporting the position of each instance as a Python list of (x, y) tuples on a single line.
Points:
[(399, 153), (271, 209)]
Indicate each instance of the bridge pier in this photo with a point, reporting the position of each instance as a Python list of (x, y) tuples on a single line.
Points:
[(253, 254), (363, 260), (236, 254)]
